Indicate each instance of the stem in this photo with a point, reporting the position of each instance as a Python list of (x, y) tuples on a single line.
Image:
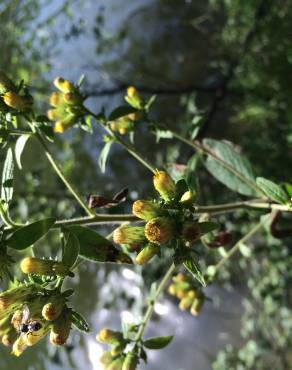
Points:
[(150, 308), (249, 204), (198, 146), (98, 218), (236, 246), (6, 219), (60, 173), (131, 150)]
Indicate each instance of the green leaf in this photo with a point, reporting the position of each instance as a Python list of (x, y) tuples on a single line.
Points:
[(192, 267), (121, 111), (158, 342), (230, 168), (19, 147), (79, 322), (71, 250), (93, 246), (207, 227), (27, 235), (7, 177), (103, 155), (149, 103), (273, 191)]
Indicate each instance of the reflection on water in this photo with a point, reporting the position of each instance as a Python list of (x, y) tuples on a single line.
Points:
[(161, 47)]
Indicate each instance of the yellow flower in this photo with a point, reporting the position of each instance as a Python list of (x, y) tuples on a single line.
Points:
[(32, 265), (146, 209), (165, 185), (159, 230), (147, 253), (64, 86), (129, 235), (15, 101), (61, 328)]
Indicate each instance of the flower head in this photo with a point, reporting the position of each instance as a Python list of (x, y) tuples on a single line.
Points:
[(160, 230), (165, 185)]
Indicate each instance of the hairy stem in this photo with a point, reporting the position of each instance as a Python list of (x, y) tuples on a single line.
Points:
[(236, 246), (130, 148), (97, 219), (61, 174), (150, 308)]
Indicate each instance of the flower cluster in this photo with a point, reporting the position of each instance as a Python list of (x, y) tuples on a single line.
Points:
[(67, 105), (13, 98), (126, 124), (191, 297), (30, 311), (116, 358), (167, 219)]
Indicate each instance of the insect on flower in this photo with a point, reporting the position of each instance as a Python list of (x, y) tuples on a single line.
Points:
[(27, 325)]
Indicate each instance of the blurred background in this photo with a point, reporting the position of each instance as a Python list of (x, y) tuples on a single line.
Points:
[(218, 66)]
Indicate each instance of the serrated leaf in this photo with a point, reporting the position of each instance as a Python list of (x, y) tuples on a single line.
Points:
[(121, 111), (194, 269), (158, 342), (92, 246), (7, 177), (19, 147), (27, 235), (79, 322), (230, 167), (103, 156), (71, 250), (272, 190)]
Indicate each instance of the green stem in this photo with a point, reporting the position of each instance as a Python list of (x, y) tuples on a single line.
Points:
[(130, 148), (150, 308), (97, 219), (60, 173), (200, 147), (236, 246), (249, 204), (7, 220)]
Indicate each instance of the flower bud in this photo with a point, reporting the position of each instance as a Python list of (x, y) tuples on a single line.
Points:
[(64, 86), (159, 230), (13, 297), (116, 364), (110, 336), (146, 209), (52, 310), (6, 84), (32, 265), (123, 125), (56, 114), (61, 328), (137, 116), (32, 338), (17, 319), (64, 124), (106, 359), (188, 199), (165, 185), (191, 231), (19, 346), (147, 253), (197, 306), (192, 294), (73, 98), (129, 235), (132, 92), (185, 303), (56, 99), (117, 349), (131, 361), (15, 101), (172, 289), (9, 338)]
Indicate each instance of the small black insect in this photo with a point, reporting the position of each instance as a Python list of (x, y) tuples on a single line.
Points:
[(27, 325)]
